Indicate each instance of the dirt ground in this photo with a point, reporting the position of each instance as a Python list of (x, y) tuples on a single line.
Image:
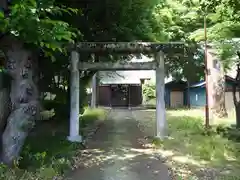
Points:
[(118, 151)]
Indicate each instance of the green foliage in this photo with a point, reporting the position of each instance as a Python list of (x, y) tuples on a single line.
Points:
[(118, 20), (189, 67), (183, 20), (180, 18), (47, 154), (56, 82), (149, 91), (33, 22), (91, 115), (228, 51), (222, 20)]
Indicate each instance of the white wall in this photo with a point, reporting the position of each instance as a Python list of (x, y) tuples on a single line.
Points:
[(229, 101)]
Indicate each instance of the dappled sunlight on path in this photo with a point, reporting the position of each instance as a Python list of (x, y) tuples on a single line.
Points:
[(190, 153), (118, 152)]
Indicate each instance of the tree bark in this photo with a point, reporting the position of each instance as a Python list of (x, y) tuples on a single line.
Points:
[(21, 66), (237, 109), (4, 107), (235, 99), (216, 86), (218, 93), (237, 106), (4, 99)]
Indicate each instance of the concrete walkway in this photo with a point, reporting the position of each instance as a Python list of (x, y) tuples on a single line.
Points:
[(116, 152)]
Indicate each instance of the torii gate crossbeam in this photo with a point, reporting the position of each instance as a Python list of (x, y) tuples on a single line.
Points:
[(158, 49)]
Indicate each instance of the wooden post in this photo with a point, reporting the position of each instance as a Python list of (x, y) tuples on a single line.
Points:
[(94, 91), (110, 96), (74, 135), (160, 103), (129, 97)]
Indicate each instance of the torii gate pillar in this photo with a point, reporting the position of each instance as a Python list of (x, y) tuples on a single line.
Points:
[(120, 47), (74, 135), (94, 91), (161, 123)]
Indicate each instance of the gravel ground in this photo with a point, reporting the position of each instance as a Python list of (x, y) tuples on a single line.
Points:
[(118, 151)]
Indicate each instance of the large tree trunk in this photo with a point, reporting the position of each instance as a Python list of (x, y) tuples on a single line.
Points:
[(216, 88), (5, 104), (20, 65), (218, 93)]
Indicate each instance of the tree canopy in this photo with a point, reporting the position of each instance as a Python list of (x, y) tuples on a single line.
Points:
[(46, 28), (35, 23), (186, 23)]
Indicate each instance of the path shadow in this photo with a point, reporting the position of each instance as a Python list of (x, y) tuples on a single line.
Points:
[(119, 151), (231, 132), (191, 150)]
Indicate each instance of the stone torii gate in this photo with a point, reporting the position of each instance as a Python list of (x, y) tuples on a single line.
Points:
[(158, 49)]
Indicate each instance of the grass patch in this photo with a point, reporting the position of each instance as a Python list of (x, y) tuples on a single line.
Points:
[(218, 147), (47, 154), (91, 115)]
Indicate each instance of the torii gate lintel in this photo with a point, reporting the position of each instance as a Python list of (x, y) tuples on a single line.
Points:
[(158, 49)]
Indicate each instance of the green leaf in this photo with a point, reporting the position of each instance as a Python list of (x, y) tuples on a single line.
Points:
[(1, 15)]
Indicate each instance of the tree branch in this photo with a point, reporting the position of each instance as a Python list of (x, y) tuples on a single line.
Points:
[(234, 94), (236, 84)]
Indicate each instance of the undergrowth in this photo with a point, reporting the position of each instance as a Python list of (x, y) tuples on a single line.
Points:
[(47, 154), (217, 147)]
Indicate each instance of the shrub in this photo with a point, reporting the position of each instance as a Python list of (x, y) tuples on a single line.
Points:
[(149, 91), (48, 155), (91, 115)]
